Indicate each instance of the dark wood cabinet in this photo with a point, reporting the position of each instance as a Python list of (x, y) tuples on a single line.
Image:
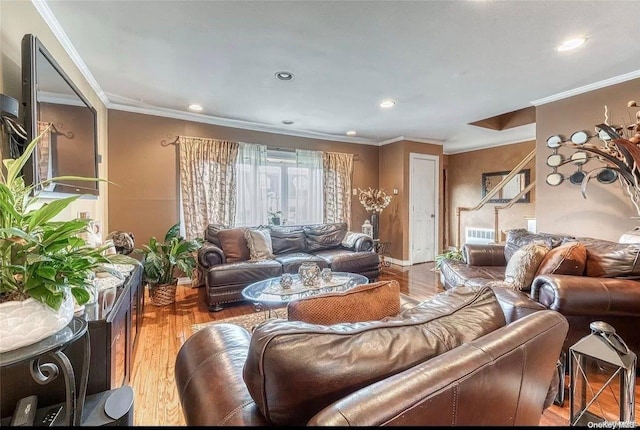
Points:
[(114, 325)]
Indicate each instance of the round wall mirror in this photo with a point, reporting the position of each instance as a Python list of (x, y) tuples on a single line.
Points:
[(577, 177), (555, 160), (554, 179), (554, 141), (607, 176), (579, 137), (579, 157)]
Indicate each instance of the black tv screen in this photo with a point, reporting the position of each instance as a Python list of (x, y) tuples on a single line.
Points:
[(52, 102)]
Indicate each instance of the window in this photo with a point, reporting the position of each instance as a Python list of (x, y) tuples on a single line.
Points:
[(294, 186)]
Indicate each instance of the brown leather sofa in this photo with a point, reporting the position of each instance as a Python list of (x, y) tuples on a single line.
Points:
[(496, 370), (327, 245), (608, 290)]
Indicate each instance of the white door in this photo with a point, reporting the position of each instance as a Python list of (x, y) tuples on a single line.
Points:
[(423, 207)]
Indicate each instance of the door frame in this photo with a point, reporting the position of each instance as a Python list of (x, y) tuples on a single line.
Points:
[(436, 159)]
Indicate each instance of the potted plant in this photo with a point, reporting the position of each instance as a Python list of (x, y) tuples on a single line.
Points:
[(451, 254), (164, 261), (275, 218), (44, 264)]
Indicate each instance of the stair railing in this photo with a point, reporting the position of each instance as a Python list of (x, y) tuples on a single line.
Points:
[(493, 192), (497, 209)]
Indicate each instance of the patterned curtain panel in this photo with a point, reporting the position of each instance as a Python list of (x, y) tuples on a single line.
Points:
[(43, 154), (207, 183), (338, 171), (251, 167)]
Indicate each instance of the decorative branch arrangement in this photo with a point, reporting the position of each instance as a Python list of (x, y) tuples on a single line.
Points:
[(620, 153), (374, 200)]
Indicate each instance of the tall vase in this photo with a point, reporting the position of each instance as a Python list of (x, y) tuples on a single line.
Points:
[(374, 222)]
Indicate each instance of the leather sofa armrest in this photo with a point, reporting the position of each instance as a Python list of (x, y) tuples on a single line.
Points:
[(210, 255), (484, 255), (585, 296), (515, 304), (355, 241), (208, 373)]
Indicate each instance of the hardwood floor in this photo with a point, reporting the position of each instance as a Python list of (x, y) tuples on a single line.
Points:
[(164, 330)]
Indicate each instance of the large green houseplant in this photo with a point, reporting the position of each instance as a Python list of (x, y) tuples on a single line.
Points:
[(41, 260), (164, 261)]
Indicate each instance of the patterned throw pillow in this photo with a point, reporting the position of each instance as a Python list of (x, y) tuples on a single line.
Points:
[(523, 265), (259, 243), (369, 302)]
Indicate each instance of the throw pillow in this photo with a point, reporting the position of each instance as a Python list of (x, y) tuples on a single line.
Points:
[(259, 243), (368, 302), (523, 265), (569, 258), (286, 355), (234, 245)]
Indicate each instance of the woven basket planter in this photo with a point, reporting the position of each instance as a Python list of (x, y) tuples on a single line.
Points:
[(162, 295)]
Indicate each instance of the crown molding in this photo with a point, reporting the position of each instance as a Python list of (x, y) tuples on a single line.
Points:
[(586, 88), (491, 145), (234, 123), (43, 9), (412, 139)]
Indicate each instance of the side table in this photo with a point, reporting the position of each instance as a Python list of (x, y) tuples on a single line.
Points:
[(382, 249), (52, 348)]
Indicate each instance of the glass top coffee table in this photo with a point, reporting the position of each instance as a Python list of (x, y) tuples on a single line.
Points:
[(270, 293)]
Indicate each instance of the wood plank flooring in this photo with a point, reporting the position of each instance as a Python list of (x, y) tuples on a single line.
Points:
[(164, 330)]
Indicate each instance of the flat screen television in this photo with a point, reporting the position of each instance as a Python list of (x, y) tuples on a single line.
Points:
[(51, 100)]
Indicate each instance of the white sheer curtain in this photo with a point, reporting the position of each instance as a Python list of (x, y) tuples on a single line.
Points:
[(306, 186), (251, 199)]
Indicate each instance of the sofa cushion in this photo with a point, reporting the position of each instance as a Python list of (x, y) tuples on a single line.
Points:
[(324, 236), (287, 239), (234, 245), (259, 243), (457, 273), (607, 259), (291, 262), (368, 302), (523, 265), (569, 258), (242, 273), (211, 233), (294, 369), (516, 238), (342, 260)]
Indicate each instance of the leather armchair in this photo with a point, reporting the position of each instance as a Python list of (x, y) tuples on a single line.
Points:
[(500, 378)]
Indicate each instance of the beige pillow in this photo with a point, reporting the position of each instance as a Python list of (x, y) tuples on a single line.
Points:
[(259, 243), (523, 265), (369, 302)]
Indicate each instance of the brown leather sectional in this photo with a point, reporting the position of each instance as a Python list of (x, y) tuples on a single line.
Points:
[(477, 357), (607, 290), (328, 245)]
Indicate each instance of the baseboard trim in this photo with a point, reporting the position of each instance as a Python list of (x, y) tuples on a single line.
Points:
[(398, 262)]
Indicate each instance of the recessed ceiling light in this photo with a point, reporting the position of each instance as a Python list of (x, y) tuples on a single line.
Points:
[(387, 104), (284, 76), (571, 44), (195, 107), (287, 122), (351, 133)]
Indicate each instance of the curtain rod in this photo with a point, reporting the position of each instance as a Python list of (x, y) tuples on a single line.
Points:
[(175, 141)]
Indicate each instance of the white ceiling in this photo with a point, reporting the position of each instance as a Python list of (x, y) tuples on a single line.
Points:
[(446, 63)]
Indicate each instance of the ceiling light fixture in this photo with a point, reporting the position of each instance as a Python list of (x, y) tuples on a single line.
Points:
[(351, 133), (571, 44), (287, 122), (195, 107), (387, 104), (284, 76)]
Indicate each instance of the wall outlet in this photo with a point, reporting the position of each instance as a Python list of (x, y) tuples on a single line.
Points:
[(355, 192), (184, 281)]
